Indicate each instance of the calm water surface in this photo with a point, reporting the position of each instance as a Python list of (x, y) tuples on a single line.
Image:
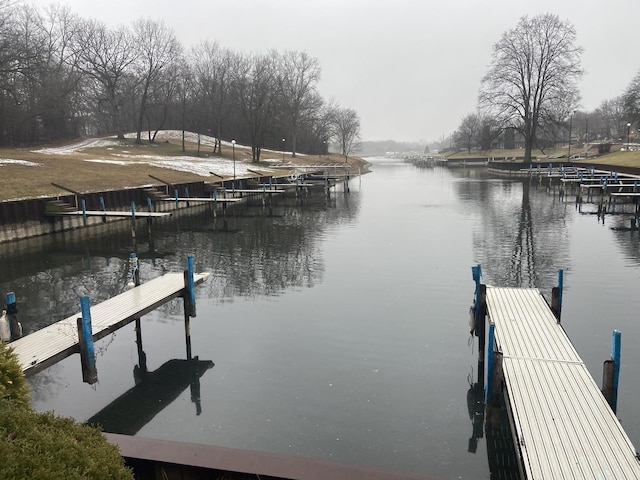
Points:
[(338, 328)]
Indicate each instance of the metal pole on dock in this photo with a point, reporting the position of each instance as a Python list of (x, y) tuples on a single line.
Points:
[(15, 329), (611, 372), (556, 296), (85, 341), (189, 296), (478, 326)]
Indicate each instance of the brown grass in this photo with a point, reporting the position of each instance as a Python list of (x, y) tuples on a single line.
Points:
[(72, 170)]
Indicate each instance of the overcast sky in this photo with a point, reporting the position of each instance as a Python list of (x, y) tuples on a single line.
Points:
[(410, 68)]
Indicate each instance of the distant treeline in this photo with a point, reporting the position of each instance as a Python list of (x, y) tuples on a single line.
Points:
[(63, 76)]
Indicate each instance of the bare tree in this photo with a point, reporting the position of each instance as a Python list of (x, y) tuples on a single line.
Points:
[(298, 75), (347, 130), (254, 93), (105, 56), (468, 134), (532, 76), (158, 48), (613, 117), (213, 68)]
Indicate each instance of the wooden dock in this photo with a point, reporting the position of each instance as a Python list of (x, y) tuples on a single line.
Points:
[(562, 425), (47, 346)]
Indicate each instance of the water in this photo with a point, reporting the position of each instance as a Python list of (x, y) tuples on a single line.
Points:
[(338, 328)]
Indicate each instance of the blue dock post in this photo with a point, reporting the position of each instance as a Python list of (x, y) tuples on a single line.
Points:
[(477, 274), (189, 297), (478, 323), (490, 360), (84, 212), (611, 372), (149, 204), (556, 296), (103, 207), (85, 341), (175, 195), (15, 329), (615, 356), (133, 211), (190, 287)]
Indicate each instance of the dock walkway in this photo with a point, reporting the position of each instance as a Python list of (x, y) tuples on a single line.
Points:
[(43, 348), (563, 426)]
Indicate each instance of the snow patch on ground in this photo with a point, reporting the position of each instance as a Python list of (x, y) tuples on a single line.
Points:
[(196, 165), (7, 161)]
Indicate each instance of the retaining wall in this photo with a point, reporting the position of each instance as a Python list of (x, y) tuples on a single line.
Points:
[(20, 219)]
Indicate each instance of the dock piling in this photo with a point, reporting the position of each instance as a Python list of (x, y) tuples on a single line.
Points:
[(85, 341), (556, 296), (15, 328)]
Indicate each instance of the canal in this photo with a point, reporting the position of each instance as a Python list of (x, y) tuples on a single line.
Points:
[(334, 329)]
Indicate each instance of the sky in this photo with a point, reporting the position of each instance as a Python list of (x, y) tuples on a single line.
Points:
[(410, 68)]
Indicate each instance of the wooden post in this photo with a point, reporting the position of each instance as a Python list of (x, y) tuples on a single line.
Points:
[(607, 381), (85, 340)]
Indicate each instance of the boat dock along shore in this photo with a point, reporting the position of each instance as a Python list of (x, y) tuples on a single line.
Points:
[(562, 424)]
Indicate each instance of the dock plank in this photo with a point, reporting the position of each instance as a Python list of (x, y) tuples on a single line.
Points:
[(563, 425), (43, 348)]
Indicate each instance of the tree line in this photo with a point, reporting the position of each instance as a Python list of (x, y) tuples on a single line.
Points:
[(63, 76), (529, 96)]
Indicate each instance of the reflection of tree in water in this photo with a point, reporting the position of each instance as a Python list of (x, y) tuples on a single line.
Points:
[(250, 251), (521, 240), (252, 254)]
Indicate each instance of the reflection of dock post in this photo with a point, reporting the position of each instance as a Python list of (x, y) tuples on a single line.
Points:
[(141, 369), (85, 341)]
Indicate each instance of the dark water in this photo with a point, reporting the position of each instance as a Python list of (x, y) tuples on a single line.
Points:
[(338, 329)]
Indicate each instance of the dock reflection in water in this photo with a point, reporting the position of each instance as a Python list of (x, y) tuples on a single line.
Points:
[(152, 393)]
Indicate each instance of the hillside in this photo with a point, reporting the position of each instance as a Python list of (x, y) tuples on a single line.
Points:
[(108, 163)]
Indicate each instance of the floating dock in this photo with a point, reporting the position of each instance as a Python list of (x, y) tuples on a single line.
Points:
[(43, 348), (562, 425)]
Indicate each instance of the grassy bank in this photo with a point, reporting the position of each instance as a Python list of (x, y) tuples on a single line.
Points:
[(110, 164), (617, 157)]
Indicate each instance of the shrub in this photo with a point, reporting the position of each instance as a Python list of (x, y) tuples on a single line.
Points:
[(43, 446), (13, 385)]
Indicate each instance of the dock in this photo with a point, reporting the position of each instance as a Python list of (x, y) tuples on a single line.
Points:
[(43, 348), (199, 199), (563, 427), (111, 213)]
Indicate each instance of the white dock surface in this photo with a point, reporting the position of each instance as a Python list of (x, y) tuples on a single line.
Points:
[(43, 348), (113, 213), (564, 427)]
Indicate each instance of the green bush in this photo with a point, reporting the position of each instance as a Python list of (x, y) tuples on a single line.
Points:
[(43, 446), (13, 385)]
